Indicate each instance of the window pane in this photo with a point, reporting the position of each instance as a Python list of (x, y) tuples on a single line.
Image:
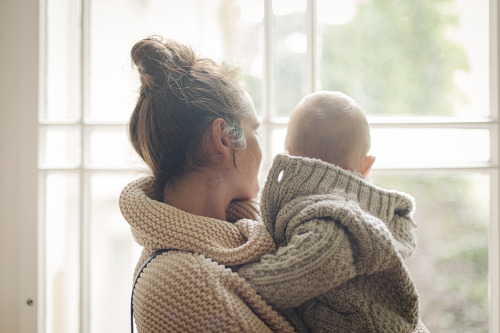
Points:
[(61, 240), (247, 44), (417, 147), (278, 141), (113, 255), (407, 57), (59, 146), (62, 61), (450, 266), (217, 29), (110, 147), (289, 47)]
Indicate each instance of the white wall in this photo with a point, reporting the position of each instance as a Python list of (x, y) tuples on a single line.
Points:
[(19, 73)]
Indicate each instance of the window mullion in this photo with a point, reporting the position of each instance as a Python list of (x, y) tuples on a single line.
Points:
[(494, 248), (268, 80), (484, 168), (430, 122), (312, 39), (83, 177)]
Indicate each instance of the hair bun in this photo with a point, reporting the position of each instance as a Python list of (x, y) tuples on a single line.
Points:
[(160, 60)]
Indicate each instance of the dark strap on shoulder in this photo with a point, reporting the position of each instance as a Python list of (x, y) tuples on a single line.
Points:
[(146, 262)]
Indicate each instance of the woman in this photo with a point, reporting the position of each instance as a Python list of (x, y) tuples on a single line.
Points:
[(195, 128)]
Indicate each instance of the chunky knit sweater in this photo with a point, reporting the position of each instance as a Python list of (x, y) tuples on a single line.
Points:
[(341, 244), (192, 290)]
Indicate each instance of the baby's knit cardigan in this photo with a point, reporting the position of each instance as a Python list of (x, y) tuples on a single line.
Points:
[(191, 290), (341, 244)]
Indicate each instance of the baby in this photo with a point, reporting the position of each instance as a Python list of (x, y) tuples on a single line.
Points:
[(341, 240)]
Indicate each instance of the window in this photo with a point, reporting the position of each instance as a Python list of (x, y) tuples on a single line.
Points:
[(425, 72)]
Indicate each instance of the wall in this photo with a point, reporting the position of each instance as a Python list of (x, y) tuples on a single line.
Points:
[(19, 91)]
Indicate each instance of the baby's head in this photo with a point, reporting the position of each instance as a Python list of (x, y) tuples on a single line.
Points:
[(332, 127)]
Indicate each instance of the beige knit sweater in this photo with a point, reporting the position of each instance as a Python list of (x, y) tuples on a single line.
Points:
[(192, 290), (341, 244)]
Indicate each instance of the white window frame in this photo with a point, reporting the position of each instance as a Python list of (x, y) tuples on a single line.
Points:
[(22, 95), (494, 248)]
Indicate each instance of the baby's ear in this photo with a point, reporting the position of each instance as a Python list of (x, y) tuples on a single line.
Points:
[(366, 165)]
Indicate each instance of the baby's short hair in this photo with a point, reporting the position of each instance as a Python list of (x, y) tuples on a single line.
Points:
[(329, 126)]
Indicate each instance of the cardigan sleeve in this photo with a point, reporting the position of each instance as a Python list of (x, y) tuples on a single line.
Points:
[(317, 258), (402, 225), (338, 242)]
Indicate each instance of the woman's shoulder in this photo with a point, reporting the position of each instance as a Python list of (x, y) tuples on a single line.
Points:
[(191, 277), (176, 289), (176, 263), (193, 293)]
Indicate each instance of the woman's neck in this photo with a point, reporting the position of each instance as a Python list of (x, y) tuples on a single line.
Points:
[(199, 195)]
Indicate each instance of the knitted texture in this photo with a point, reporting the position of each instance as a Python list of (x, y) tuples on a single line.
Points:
[(191, 290), (341, 243)]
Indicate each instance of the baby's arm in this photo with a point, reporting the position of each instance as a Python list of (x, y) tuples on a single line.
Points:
[(317, 258), (341, 242)]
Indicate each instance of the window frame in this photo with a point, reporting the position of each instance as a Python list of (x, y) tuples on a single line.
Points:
[(268, 124), (494, 247)]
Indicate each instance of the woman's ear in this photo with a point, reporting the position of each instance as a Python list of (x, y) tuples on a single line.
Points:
[(366, 165), (217, 141)]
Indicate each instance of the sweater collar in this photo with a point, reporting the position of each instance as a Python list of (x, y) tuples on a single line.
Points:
[(292, 177), (158, 225)]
